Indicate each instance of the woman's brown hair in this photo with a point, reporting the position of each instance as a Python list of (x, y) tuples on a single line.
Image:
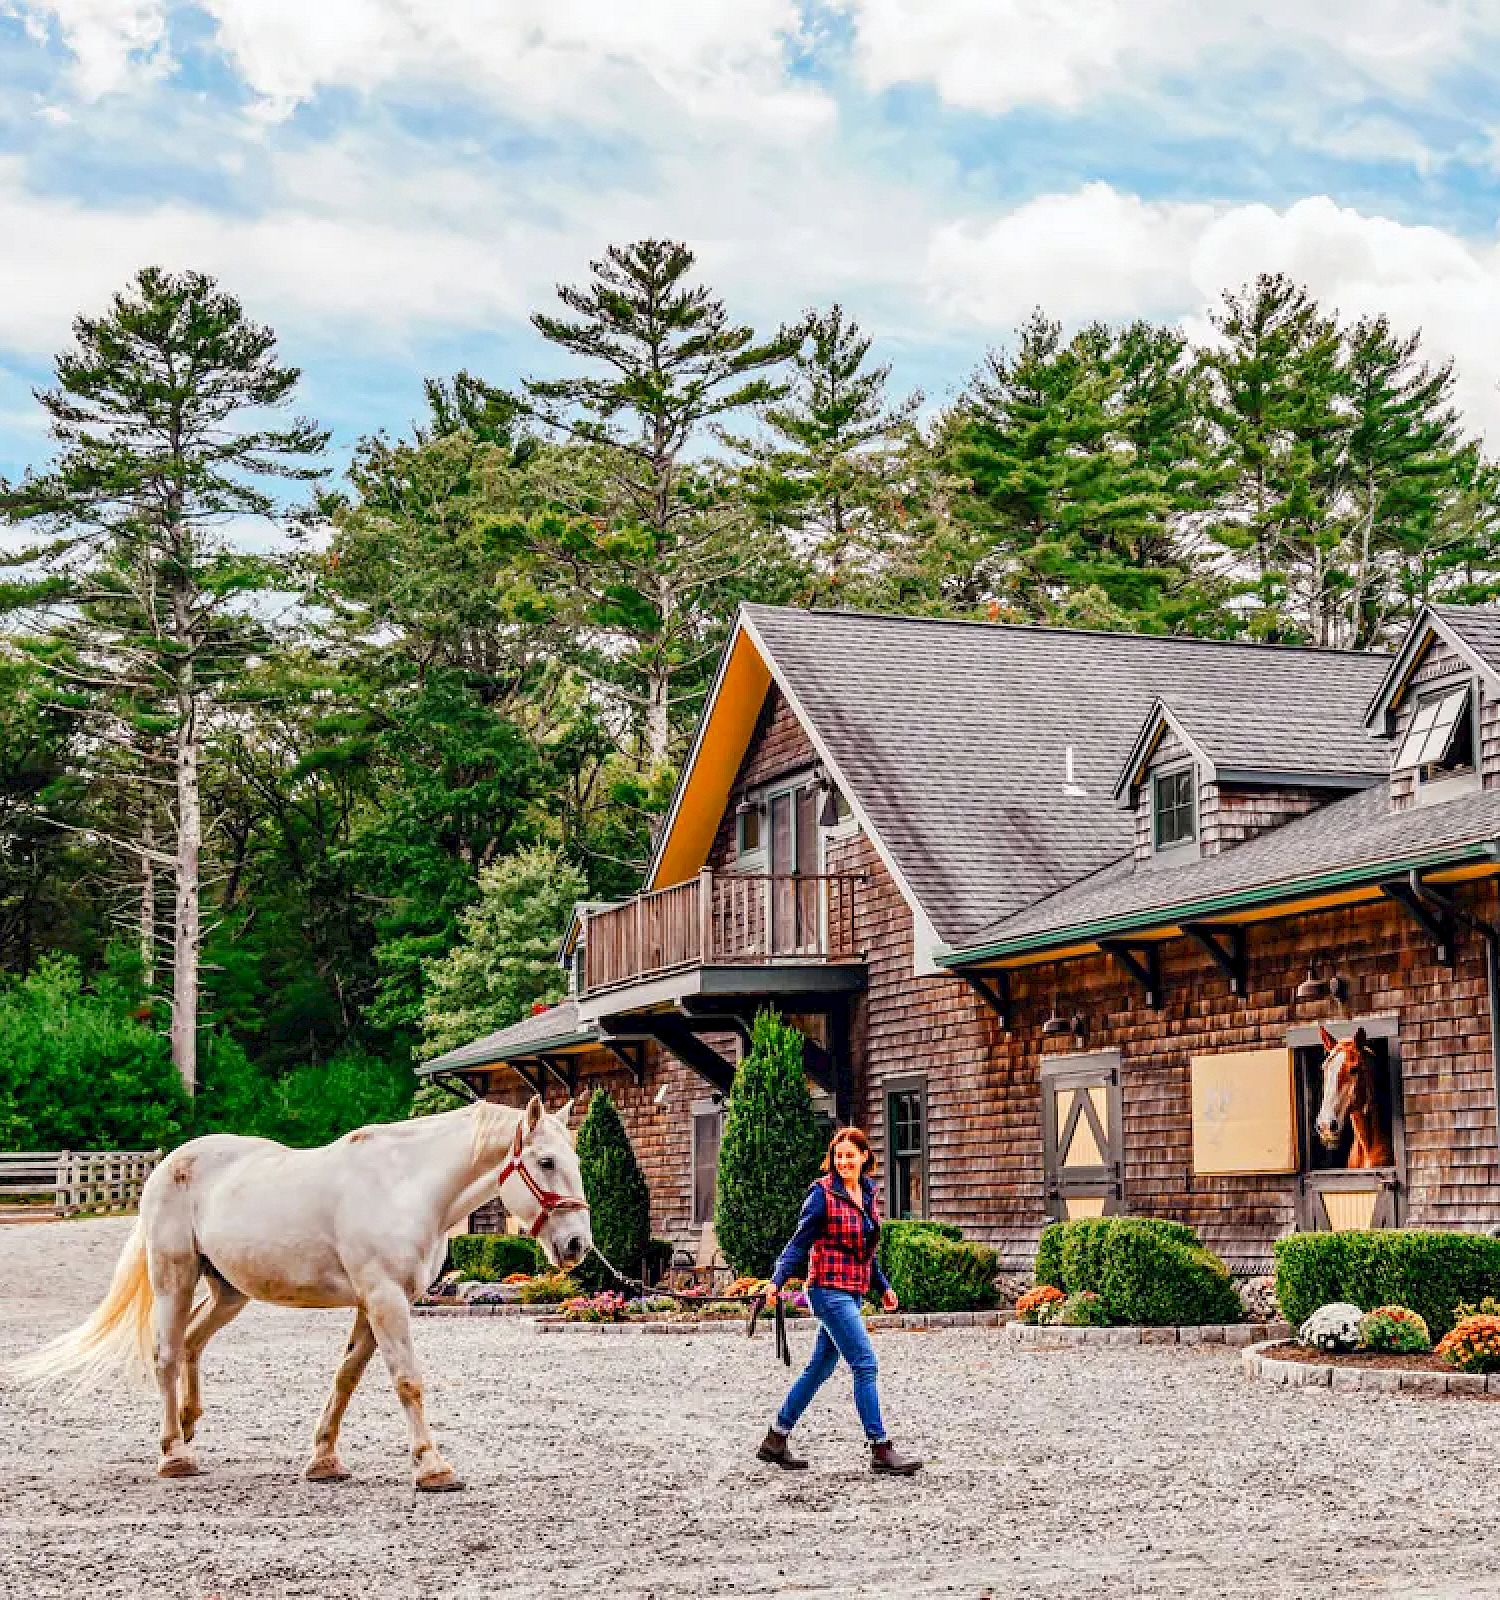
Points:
[(861, 1142)]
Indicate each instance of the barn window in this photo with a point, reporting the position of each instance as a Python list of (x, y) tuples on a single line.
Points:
[(906, 1146), (708, 1135), (1174, 809), (1440, 740)]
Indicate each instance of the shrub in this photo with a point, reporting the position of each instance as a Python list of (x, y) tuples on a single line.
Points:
[(771, 1150), (1147, 1272), (893, 1236), (490, 1257), (1332, 1327), (618, 1197), (1429, 1272), (550, 1290), (1489, 1306), (1040, 1304), (1084, 1310), (1473, 1345), (1396, 1329), (934, 1268)]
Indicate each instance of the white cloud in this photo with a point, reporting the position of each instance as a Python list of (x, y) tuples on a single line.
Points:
[(111, 41), (1095, 252), (997, 55)]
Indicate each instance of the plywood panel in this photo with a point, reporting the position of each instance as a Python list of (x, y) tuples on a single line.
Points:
[(1083, 1205), (1350, 1208), (1244, 1117)]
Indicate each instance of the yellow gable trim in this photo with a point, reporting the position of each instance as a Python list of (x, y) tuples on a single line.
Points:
[(721, 747)]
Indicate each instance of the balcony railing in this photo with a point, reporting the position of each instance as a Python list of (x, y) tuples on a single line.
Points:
[(722, 919)]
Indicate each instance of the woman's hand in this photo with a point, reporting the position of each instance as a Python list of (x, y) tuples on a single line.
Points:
[(773, 1294), (889, 1302)]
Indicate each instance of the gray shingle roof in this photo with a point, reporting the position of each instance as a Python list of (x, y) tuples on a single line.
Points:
[(953, 736), (1349, 836), (1478, 627), (547, 1030)]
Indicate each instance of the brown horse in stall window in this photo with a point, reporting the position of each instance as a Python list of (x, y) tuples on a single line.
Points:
[(1349, 1096)]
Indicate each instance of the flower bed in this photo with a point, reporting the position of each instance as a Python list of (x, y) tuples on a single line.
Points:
[(1368, 1371)]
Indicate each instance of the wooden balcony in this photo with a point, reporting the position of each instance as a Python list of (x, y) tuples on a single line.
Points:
[(722, 919)]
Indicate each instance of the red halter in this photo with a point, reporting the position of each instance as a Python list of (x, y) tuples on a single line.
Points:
[(548, 1200)]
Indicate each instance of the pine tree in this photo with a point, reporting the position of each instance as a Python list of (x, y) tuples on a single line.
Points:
[(649, 552), (159, 413), (771, 1149), (619, 1201), (829, 470)]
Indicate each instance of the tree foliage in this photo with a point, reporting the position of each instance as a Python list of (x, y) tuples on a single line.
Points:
[(619, 1202)]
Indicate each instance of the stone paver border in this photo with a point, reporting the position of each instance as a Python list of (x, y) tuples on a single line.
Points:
[(500, 1308), (1260, 1362), (917, 1320), (1235, 1334)]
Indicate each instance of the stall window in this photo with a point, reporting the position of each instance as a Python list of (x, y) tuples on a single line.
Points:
[(708, 1135), (906, 1147)]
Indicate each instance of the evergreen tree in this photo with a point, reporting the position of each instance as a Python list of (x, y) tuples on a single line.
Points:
[(159, 413), (619, 1201), (829, 470), (771, 1150), (648, 555)]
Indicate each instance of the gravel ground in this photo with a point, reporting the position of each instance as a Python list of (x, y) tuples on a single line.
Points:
[(624, 1467)]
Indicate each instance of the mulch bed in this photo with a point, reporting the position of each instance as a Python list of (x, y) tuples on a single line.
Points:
[(1426, 1362)]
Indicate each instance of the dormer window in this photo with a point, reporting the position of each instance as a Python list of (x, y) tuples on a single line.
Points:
[(1440, 741), (1174, 810)]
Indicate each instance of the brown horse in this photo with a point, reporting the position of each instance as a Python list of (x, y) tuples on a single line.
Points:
[(1349, 1096)]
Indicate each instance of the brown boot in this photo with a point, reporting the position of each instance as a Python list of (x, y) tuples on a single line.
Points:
[(776, 1448), (883, 1458)]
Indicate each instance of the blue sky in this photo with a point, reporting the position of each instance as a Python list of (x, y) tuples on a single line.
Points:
[(393, 184)]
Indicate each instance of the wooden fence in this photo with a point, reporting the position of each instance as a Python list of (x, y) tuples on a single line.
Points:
[(78, 1181)]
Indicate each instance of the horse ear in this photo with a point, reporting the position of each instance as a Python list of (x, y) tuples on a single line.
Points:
[(1328, 1039), (532, 1116), (564, 1115), (1361, 1038)]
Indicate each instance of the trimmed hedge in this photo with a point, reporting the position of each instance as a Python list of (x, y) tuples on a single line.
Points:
[(932, 1267), (1149, 1273), (619, 1201), (1429, 1272), (489, 1257)]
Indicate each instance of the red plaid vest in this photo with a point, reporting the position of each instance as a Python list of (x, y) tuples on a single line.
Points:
[(842, 1256)]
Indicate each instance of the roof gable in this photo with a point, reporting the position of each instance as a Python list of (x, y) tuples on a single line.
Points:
[(1473, 632), (1159, 720)]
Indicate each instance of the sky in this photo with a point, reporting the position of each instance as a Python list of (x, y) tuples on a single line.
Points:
[(395, 184)]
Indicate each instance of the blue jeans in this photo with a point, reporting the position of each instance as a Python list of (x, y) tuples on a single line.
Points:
[(841, 1332)]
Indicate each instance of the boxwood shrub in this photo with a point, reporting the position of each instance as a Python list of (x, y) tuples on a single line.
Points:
[(1148, 1272), (932, 1267), (1429, 1272), (489, 1257)]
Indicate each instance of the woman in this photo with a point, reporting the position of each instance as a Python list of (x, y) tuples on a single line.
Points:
[(836, 1238)]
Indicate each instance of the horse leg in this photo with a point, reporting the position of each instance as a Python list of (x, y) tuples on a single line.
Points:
[(174, 1277), (325, 1466), (390, 1318), (223, 1305)]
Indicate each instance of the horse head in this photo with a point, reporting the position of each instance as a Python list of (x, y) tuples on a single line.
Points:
[(551, 1205), (1347, 1083)]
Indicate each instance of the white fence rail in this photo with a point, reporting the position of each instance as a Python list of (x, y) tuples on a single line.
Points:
[(79, 1181)]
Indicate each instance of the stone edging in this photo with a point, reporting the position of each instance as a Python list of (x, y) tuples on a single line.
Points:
[(927, 1320), (1257, 1363), (1237, 1334), (499, 1308)]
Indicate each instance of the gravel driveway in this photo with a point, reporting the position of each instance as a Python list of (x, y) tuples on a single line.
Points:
[(624, 1467)]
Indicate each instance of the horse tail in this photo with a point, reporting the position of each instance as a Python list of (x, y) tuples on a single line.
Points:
[(114, 1342)]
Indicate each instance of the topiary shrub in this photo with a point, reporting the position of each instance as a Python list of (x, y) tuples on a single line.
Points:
[(489, 1257), (618, 1198), (934, 1268), (1148, 1272), (1430, 1272), (771, 1151)]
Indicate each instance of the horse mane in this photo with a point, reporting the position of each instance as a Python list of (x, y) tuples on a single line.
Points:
[(493, 1128)]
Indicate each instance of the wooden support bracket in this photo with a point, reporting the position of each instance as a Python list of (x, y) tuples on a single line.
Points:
[(1227, 947), (531, 1072), (631, 1054), (1141, 962), (1432, 912), (994, 989), (564, 1070), (456, 1083)]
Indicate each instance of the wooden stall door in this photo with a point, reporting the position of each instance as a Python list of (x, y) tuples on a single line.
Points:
[(1081, 1126)]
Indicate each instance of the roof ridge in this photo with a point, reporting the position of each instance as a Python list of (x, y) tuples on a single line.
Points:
[(1056, 628)]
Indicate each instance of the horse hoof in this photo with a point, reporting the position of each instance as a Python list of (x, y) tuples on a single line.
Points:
[(443, 1482), (178, 1466), (327, 1472)]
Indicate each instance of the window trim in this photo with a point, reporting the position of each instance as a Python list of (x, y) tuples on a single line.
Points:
[(1429, 790), (1177, 849), (911, 1084)]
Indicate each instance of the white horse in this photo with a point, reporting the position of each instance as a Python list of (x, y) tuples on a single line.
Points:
[(362, 1222)]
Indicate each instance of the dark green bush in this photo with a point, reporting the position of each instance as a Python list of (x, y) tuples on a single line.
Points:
[(618, 1197), (1428, 1272), (932, 1267), (1148, 1272), (489, 1257), (771, 1151)]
